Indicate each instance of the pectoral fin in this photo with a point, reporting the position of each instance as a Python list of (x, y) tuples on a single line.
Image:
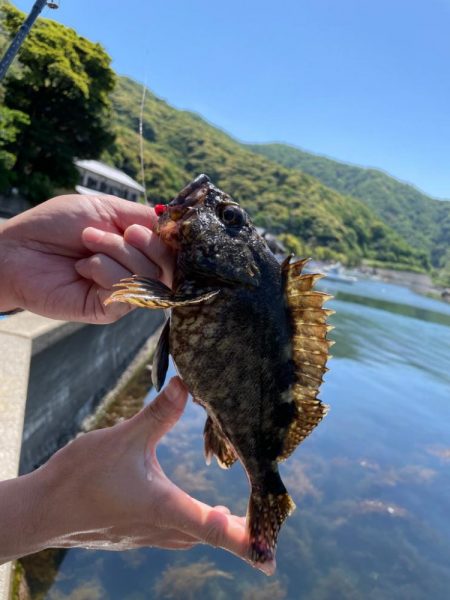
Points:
[(216, 443), (148, 293), (161, 358)]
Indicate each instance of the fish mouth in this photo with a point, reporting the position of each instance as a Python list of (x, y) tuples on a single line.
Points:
[(180, 208)]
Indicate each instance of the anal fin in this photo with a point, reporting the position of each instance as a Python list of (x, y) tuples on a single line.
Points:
[(216, 443), (309, 412)]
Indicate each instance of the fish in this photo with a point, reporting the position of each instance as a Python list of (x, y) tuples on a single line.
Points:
[(248, 335)]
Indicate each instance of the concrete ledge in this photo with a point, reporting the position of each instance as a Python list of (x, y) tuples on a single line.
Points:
[(52, 375), (15, 357), (42, 331)]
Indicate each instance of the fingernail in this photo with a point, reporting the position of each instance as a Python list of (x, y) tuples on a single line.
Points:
[(136, 227), (174, 391), (268, 568), (137, 235), (80, 266), (223, 509), (93, 235)]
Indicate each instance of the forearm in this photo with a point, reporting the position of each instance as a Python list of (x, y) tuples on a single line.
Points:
[(24, 516), (106, 490), (7, 300)]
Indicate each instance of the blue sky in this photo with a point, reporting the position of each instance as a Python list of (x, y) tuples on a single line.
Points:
[(363, 81)]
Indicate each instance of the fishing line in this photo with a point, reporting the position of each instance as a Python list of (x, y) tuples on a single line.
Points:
[(141, 138), (160, 243), (141, 149)]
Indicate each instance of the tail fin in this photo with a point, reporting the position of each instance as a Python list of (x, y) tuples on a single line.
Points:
[(265, 516)]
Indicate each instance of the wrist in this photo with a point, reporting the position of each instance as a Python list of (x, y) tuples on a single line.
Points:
[(24, 516)]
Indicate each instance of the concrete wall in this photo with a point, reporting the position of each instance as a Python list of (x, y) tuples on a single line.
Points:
[(13, 205), (52, 375)]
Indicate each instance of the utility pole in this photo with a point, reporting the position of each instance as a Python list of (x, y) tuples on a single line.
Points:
[(22, 34)]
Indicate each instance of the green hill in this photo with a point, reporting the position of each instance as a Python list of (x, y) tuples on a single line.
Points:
[(311, 218), (422, 221)]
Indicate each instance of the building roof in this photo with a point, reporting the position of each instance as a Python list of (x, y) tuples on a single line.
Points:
[(99, 168), (88, 191)]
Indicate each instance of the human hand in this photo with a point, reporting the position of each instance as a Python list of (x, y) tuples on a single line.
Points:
[(61, 258), (106, 490)]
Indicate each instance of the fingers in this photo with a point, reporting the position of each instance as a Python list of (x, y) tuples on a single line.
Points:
[(211, 525), (223, 509), (102, 270), (156, 419), (154, 248), (169, 538), (114, 246), (126, 213), (105, 314)]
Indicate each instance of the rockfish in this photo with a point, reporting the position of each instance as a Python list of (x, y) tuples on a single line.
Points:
[(248, 336)]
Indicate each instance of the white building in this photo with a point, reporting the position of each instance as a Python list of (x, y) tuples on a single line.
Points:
[(98, 178)]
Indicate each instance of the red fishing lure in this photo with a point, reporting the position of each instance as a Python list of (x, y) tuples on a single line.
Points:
[(160, 209)]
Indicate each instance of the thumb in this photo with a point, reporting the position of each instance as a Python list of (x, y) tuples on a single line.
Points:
[(163, 412), (211, 525)]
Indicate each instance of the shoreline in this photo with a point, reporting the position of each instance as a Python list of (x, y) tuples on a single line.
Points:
[(421, 283)]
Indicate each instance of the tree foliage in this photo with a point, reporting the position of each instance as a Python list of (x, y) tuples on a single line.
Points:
[(62, 87), (57, 102), (12, 123), (420, 220)]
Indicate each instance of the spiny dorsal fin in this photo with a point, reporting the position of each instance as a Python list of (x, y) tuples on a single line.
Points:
[(309, 347)]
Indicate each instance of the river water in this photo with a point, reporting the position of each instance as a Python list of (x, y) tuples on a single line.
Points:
[(371, 484)]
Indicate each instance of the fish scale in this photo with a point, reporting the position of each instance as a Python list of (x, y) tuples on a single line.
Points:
[(249, 338)]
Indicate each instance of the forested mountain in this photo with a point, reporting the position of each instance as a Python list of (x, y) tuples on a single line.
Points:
[(312, 218), (422, 221)]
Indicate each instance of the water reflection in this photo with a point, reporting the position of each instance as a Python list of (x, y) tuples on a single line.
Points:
[(372, 484)]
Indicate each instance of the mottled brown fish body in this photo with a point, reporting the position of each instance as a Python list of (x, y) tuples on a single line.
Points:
[(234, 354), (248, 337), (228, 367)]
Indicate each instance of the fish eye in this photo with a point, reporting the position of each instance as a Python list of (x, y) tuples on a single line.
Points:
[(232, 215)]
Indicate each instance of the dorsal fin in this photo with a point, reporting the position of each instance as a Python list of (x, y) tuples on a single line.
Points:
[(309, 349)]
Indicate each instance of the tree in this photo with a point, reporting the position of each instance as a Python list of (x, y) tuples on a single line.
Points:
[(12, 123), (21, 34), (63, 88)]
